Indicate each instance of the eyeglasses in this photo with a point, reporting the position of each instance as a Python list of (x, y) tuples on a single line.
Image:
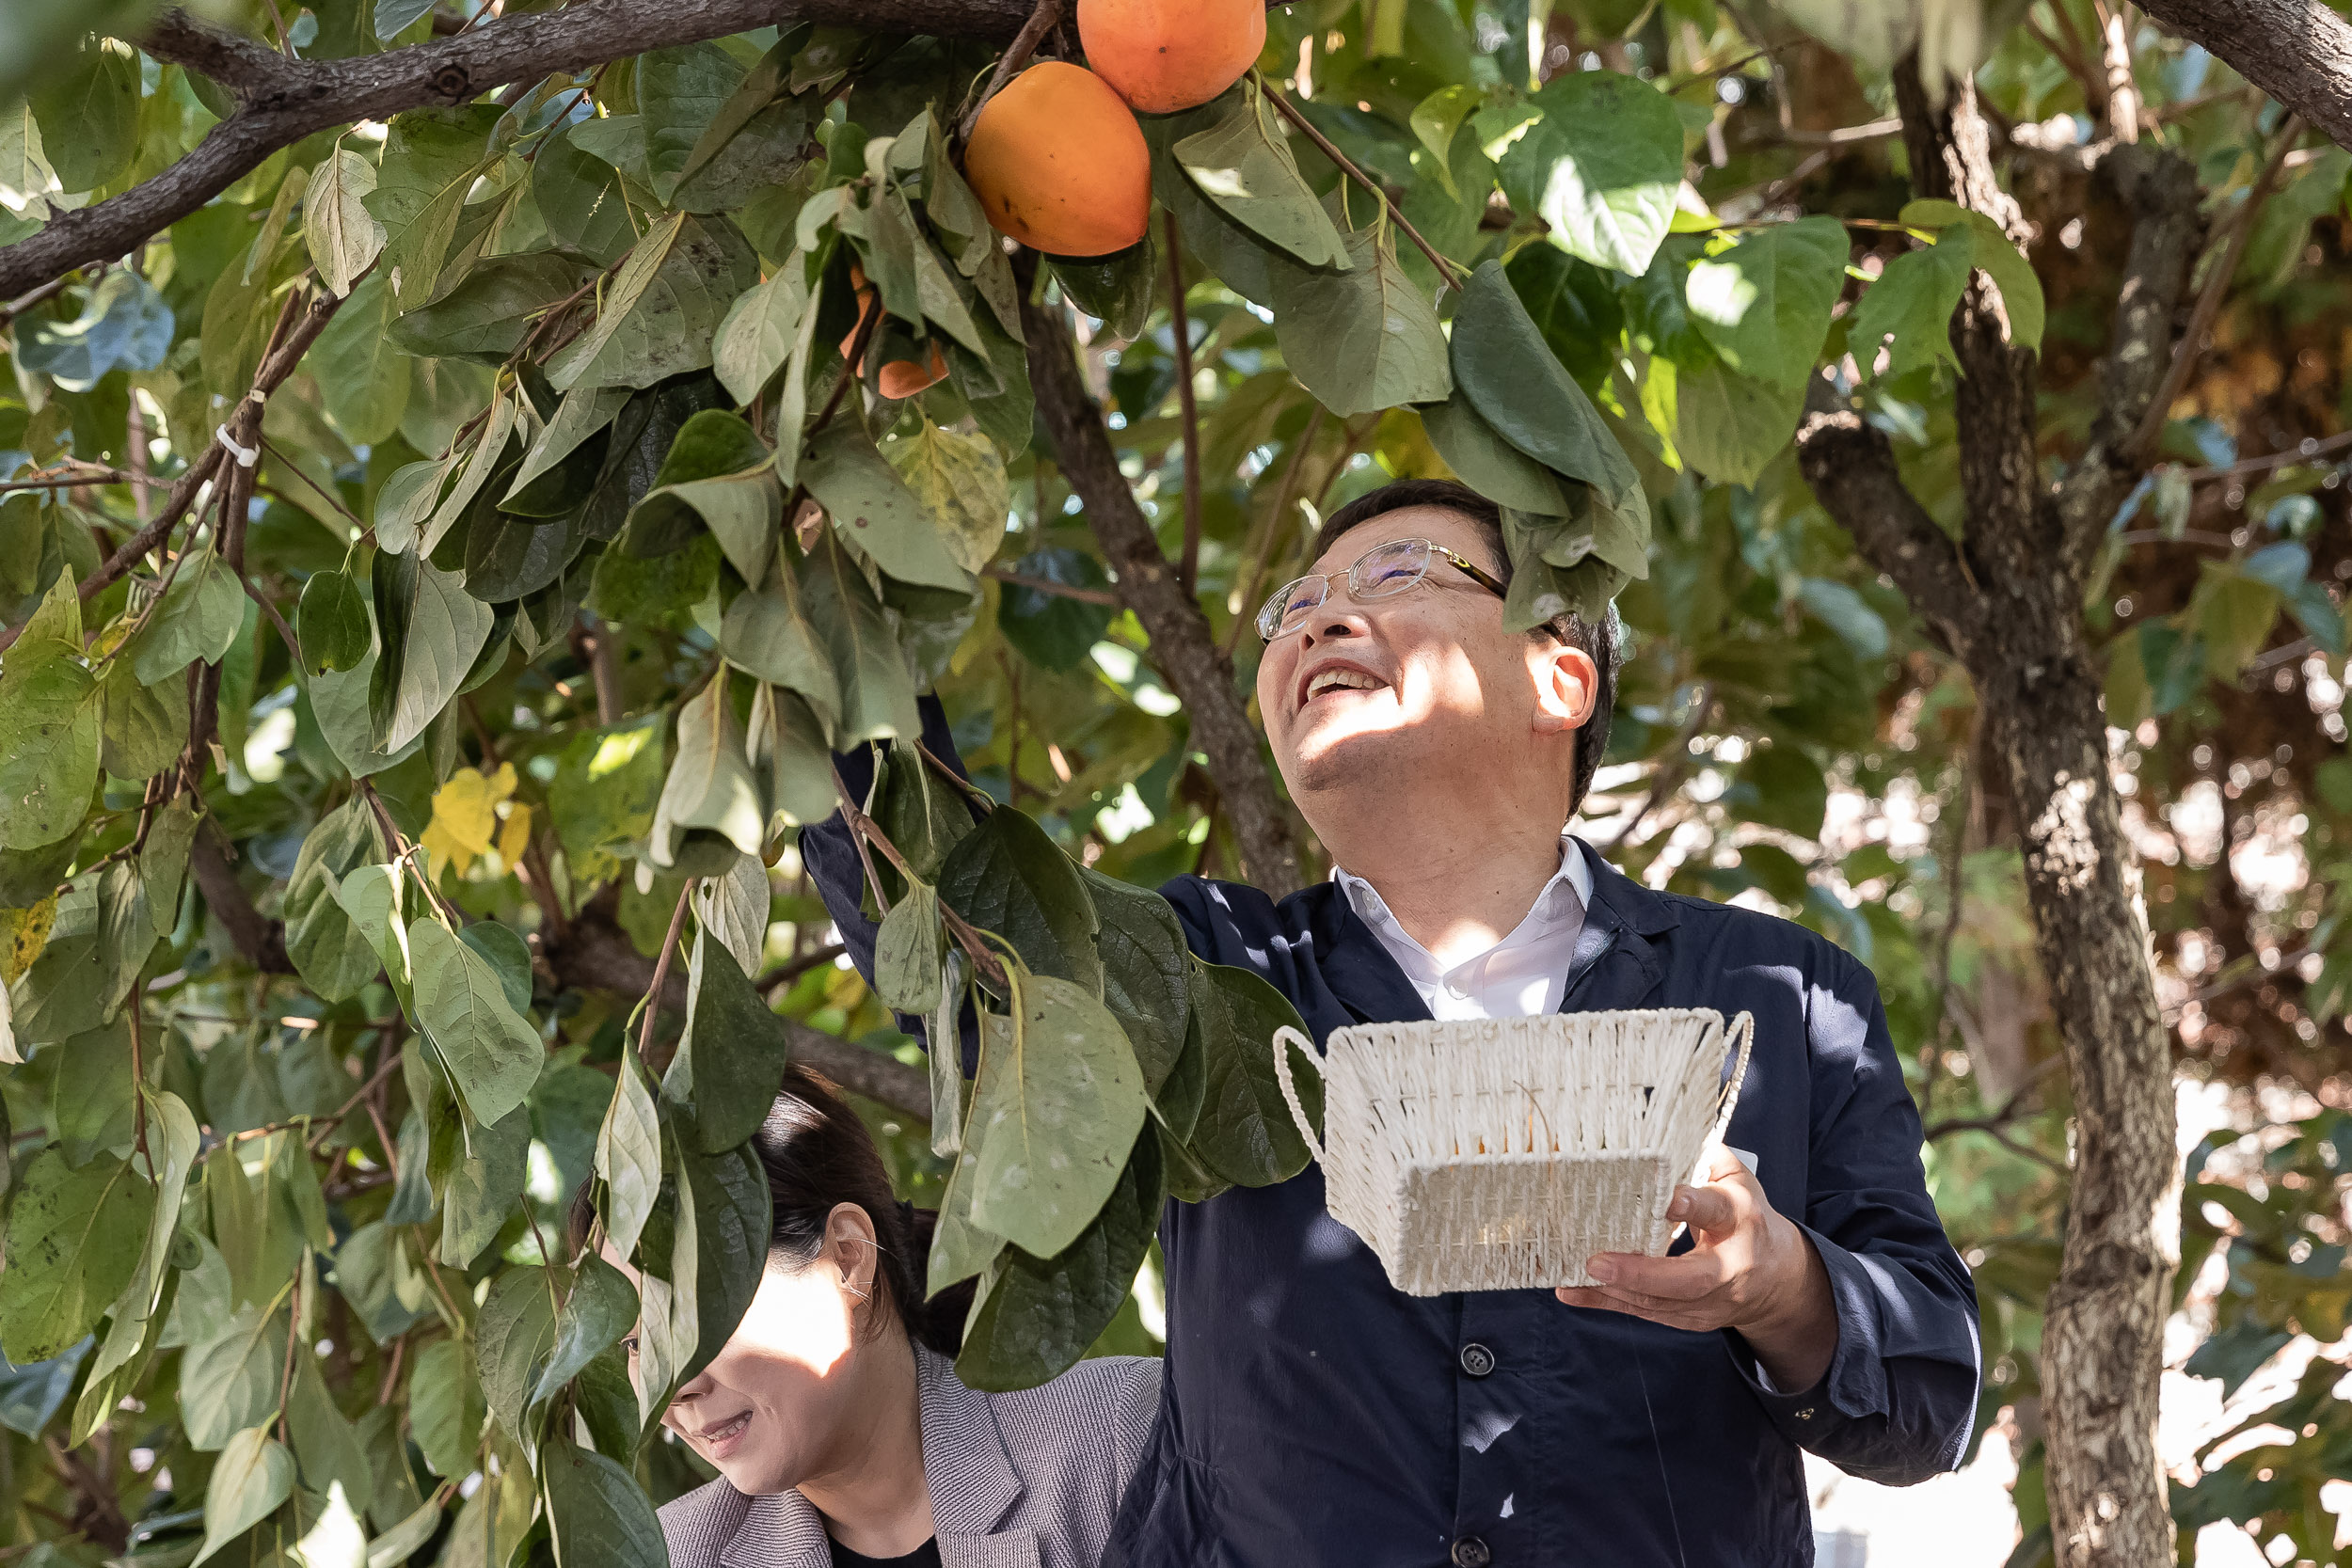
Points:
[(1382, 572)]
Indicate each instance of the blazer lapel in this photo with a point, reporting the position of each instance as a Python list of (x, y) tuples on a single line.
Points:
[(1358, 969), (1616, 963), (973, 1481), (781, 1530)]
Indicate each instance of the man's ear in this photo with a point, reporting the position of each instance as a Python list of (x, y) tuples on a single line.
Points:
[(1566, 681)]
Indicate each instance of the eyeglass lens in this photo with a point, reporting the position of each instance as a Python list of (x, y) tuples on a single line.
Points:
[(1384, 570)]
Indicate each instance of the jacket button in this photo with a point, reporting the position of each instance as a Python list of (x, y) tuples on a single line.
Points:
[(1805, 1414), (1478, 1361), (1471, 1552)]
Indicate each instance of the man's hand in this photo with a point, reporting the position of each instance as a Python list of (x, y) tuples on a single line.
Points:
[(1749, 1269)]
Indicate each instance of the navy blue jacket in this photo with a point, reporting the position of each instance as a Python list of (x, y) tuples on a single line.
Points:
[(1315, 1417)]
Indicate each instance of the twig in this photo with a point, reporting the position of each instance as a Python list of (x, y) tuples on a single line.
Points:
[(1262, 549), (1061, 590), (1188, 565), (2191, 346), (2303, 453), (292, 647), (783, 975), (42, 295), (2116, 57), (662, 965), (1288, 111), (406, 851), (1024, 44), (90, 475), (286, 462), (138, 1085), (867, 830)]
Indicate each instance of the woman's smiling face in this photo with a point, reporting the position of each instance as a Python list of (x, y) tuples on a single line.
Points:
[(773, 1407)]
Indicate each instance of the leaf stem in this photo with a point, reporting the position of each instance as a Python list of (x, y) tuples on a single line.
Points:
[(661, 966), (1446, 268), (864, 831), (1015, 55)]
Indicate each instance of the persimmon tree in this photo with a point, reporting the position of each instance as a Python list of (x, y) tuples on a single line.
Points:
[(471, 469)]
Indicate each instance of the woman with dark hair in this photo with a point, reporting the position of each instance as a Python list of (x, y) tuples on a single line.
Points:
[(841, 1434)]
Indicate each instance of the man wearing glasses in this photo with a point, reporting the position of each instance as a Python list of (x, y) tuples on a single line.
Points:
[(1315, 1416)]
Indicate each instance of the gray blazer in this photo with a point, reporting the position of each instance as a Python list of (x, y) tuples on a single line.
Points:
[(1026, 1479)]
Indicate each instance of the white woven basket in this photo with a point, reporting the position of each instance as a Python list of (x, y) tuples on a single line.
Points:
[(1499, 1154)]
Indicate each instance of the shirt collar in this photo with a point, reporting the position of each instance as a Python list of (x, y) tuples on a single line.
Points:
[(1566, 895)]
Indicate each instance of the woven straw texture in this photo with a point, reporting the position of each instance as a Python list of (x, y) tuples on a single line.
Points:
[(1497, 1154)]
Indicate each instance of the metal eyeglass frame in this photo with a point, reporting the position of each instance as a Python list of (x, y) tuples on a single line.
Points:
[(1268, 611)]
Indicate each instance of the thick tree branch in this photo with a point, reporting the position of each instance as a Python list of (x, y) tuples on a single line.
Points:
[(1187, 655), (284, 101), (596, 955), (2300, 52), (2160, 189), (1850, 466), (258, 937)]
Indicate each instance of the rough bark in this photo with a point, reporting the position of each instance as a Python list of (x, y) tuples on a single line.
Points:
[(282, 101), (2007, 600), (1187, 655), (2297, 51)]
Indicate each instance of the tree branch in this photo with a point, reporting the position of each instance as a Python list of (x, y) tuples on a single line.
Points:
[(2300, 52), (2160, 189), (1188, 565), (258, 937), (284, 101), (1850, 466), (1187, 655)]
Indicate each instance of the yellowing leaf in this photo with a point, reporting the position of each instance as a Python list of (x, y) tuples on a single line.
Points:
[(22, 934), (514, 837), (464, 815)]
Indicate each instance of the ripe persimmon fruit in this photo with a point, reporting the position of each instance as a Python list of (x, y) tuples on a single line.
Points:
[(1060, 163), (1162, 56)]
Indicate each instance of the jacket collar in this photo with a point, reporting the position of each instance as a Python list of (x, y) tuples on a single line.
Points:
[(973, 1485)]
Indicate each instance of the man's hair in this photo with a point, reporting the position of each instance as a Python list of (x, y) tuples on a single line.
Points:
[(1598, 641)]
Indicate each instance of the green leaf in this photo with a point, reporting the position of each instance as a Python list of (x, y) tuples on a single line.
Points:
[(74, 1238), (1601, 167), (1117, 289), (1245, 1134), (757, 338), (446, 1408), (1912, 302), (959, 1249), (343, 236), (628, 1156), (1502, 361), (1007, 876), (1780, 786), (90, 1098), (1729, 426), (731, 1060), (608, 783), (1243, 164), (1479, 455), (431, 159), (908, 954), (513, 1337), (717, 471), (490, 311), (124, 324), (492, 1054), (729, 1200), (961, 482), (1056, 1110), (2235, 614), (432, 630), (767, 634), (787, 741), (325, 1442), (228, 1381), (599, 1310), (1764, 303), (364, 380), (126, 933), (1435, 120), (195, 622), (410, 1535), (333, 956), (1363, 340), (251, 1481), (712, 784), (394, 17), (1034, 1318), (145, 727), (1053, 629), (1576, 307), (88, 104), (331, 622), (871, 507), (598, 1515), (663, 306), (678, 93), (580, 197), (1990, 248), (578, 419), (1144, 972), (876, 685)]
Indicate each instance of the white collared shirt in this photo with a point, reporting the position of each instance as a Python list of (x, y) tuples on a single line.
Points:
[(1524, 974)]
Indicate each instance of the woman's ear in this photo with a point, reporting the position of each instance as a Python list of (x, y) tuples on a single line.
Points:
[(1566, 680), (851, 1249)]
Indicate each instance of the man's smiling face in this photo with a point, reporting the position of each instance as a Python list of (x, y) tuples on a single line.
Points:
[(1423, 679)]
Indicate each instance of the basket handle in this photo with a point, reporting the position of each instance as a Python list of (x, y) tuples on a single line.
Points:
[(1744, 1027), (1289, 1091)]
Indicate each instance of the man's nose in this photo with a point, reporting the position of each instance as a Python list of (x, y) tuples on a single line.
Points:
[(1336, 617)]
